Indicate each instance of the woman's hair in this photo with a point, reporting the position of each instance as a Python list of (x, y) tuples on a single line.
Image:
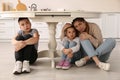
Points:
[(76, 32), (22, 18), (80, 19)]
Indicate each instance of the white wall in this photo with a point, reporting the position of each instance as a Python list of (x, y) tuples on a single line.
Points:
[(87, 5)]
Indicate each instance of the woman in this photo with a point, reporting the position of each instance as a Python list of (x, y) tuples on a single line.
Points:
[(92, 44)]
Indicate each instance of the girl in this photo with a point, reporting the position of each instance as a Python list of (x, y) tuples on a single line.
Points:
[(70, 45), (26, 44), (92, 43)]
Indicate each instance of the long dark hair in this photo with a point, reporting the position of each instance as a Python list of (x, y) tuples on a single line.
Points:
[(80, 19)]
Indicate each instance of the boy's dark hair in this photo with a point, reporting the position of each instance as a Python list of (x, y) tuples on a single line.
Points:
[(22, 18), (78, 19)]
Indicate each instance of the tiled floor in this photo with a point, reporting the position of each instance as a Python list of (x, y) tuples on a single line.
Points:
[(41, 70)]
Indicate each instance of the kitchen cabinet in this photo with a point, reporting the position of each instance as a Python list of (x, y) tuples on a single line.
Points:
[(110, 26), (6, 29), (97, 21), (118, 25), (42, 28), (108, 23)]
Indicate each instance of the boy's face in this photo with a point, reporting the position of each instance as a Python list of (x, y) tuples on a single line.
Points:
[(25, 25), (71, 33)]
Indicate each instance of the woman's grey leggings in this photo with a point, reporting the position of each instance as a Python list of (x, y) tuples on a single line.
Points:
[(103, 51)]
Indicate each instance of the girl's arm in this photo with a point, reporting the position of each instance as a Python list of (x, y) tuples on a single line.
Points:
[(77, 47), (62, 46)]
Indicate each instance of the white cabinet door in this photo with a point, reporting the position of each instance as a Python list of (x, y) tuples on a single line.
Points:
[(59, 27), (109, 25), (95, 20), (6, 29), (42, 28), (118, 25)]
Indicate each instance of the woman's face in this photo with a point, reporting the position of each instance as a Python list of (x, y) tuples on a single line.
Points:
[(80, 26)]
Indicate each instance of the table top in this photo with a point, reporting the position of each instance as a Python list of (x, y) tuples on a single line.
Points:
[(34, 14)]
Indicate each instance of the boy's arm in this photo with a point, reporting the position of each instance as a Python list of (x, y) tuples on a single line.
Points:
[(14, 41), (18, 44), (33, 39)]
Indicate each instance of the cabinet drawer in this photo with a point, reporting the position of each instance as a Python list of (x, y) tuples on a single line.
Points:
[(6, 23), (6, 33)]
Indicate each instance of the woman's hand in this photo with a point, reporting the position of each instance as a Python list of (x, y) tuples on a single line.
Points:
[(84, 36)]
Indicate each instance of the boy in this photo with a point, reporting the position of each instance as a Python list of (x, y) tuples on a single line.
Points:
[(26, 44)]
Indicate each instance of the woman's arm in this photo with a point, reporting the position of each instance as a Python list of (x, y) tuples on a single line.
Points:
[(94, 35)]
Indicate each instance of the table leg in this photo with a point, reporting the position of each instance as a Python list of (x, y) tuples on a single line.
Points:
[(52, 41)]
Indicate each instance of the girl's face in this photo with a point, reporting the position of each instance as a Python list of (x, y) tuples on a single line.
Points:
[(80, 26), (71, 33), (25, 25)]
